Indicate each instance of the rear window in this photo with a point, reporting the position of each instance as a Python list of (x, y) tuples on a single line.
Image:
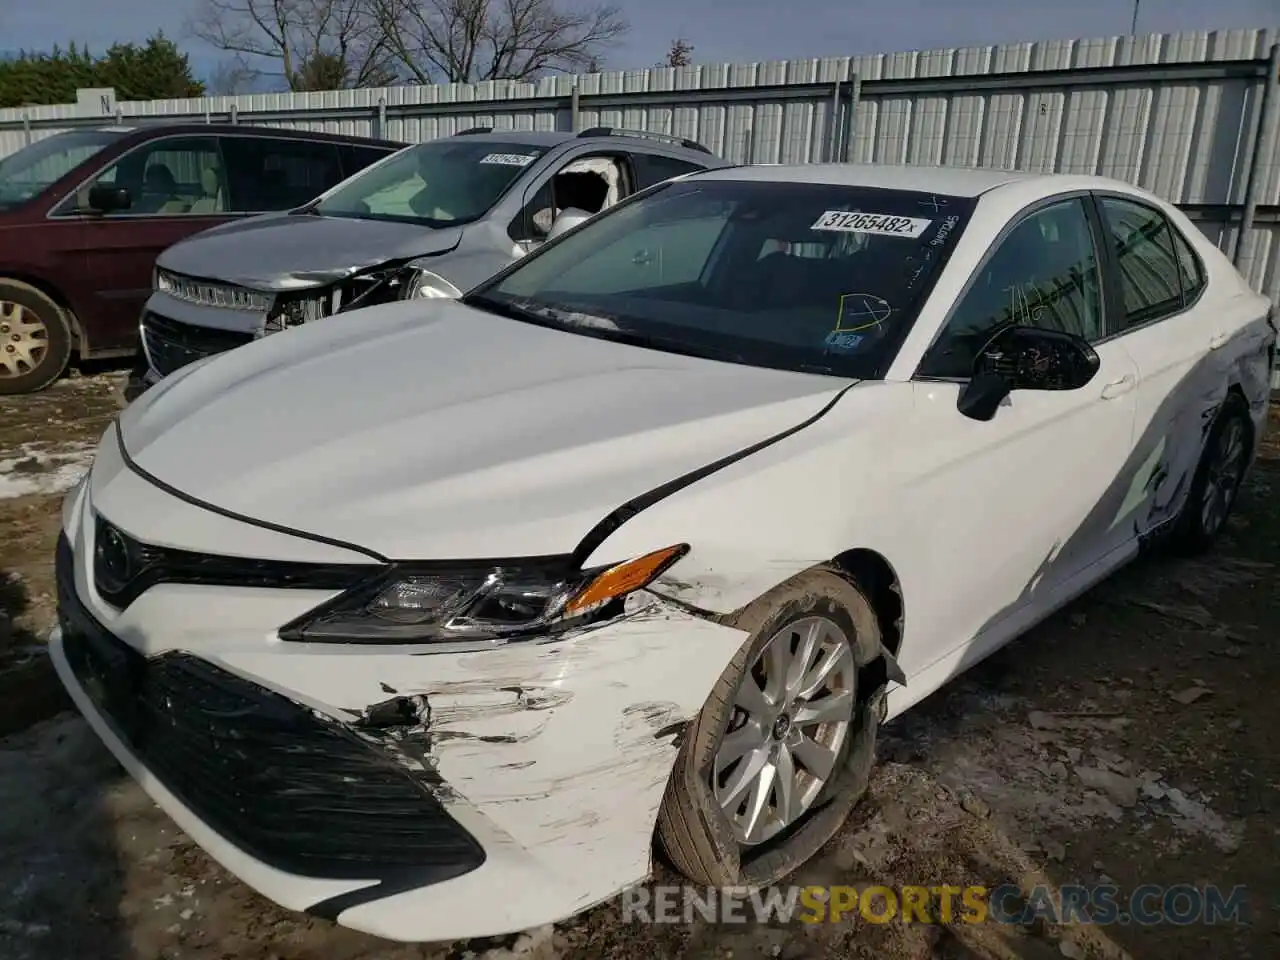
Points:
[(812, 277), (39, 165)]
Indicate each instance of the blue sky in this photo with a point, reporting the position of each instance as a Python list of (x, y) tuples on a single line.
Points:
[(725, 30)]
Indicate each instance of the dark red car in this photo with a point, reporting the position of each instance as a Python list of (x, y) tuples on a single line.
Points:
[(83, 215)]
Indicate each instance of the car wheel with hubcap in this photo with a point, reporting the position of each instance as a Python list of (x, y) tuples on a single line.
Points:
[(1217, 478), (775, 760), (35, 339)]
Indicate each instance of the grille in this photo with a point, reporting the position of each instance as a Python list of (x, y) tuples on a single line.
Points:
[(222, 295), (172, 344), (124, 568), (299, 792)]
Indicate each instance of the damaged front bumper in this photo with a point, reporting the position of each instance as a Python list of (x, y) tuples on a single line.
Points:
[(414, 797)]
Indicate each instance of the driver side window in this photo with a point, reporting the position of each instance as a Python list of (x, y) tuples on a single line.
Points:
[(172, 176), (591, 184), (1044, 274)]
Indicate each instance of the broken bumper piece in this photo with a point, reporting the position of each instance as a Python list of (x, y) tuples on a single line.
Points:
[(416, 798)]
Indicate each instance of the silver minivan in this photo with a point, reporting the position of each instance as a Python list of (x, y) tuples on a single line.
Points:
[(431, 220)]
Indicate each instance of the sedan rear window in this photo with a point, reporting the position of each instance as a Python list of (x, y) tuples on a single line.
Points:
[(814, 277)]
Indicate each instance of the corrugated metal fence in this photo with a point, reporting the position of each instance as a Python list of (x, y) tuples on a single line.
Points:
[(1194, 117)]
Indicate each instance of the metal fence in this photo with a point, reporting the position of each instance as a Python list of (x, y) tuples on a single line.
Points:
[(1194, 117)]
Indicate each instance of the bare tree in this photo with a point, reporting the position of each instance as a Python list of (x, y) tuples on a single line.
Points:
[(463, 41), (229, 78), (279, 38), (680, 54)]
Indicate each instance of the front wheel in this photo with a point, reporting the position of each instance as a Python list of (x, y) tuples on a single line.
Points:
[(1217, 478), (35, 339), (782, 750)]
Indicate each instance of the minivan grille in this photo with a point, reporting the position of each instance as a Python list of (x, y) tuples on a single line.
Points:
[(171, 344)]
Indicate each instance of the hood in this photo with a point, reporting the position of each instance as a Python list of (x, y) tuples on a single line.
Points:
[(289, 251), (431, 430)]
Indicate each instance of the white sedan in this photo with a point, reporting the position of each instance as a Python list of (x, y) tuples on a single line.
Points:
[(427, 623)]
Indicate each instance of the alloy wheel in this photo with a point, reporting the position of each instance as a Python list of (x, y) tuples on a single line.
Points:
[(791, 717), (24, 339), (1223, 476)]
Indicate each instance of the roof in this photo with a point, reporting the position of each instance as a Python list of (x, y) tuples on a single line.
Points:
[(145, 126), (554, 138), (956, 181)]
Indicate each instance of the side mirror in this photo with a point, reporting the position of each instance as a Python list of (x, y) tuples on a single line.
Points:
[(569, 218), (1025, 358), (104, 198)]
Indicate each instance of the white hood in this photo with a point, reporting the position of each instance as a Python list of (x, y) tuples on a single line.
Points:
[(435, 431)]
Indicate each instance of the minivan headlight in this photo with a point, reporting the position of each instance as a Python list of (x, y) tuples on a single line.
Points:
[(427, 285), (414, 604)]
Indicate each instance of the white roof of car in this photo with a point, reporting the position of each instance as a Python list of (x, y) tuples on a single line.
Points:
[(956, 181)]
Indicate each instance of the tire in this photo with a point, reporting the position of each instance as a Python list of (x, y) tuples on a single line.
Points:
[(699, 838), (1220, 472), (35, 339)]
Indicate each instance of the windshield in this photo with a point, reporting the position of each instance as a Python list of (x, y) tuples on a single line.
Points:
[(439, 183), (39, 165), (795, 276)]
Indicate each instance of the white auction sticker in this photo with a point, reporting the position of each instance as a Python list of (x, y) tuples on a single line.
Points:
[(508, 159), (884, 224)]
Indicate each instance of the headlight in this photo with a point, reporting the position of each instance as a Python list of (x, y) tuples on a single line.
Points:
[(410, 605), (427, 285)]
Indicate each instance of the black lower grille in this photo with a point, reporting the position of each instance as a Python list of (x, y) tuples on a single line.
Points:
[(172, 344), (297, 791)]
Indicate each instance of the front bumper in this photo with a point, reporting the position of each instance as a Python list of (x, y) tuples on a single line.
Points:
[(175, 333), (526, 791)]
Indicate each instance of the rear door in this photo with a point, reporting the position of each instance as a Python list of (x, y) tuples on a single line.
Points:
[(653, 168), (355, 157), (268, 175), (176, 184), (1170, 331)]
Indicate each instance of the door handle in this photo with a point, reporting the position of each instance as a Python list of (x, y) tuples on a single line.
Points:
[(1118, 387), (1218, 340)]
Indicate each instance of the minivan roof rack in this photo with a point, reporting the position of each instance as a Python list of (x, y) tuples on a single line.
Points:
[(648, 134), (473, 130)]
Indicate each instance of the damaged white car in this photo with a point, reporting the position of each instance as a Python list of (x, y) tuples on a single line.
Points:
[(429, 623)]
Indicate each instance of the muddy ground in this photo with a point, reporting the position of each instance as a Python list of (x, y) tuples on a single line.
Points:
[(1131, 740)]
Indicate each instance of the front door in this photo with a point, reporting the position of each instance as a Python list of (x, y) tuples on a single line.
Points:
[(1018, 504), (177, 188)]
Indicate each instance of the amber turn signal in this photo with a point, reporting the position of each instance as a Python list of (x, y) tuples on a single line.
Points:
[(624, 578)]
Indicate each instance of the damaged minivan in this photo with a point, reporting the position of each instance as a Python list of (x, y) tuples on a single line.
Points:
[(433, 220)]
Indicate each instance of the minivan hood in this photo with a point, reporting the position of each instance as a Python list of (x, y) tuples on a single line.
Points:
[(291, 251), (431, 430)]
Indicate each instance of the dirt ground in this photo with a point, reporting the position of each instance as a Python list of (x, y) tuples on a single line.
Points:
[(1130, 740)]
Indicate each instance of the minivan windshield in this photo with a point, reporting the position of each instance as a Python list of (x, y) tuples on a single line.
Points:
[(439, 183), (810, 277), (39, 165)]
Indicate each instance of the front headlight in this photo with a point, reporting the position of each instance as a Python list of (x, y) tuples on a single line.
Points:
[(409, 605), (427, 285)]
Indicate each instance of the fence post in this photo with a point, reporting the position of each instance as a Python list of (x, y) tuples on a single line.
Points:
[(26, 128), (1263, 135), (575, 121), (235, 114), (833, 136), (382, 119), (851, 126)]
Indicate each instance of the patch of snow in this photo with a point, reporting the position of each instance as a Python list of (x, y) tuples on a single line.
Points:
[(41, 469)]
